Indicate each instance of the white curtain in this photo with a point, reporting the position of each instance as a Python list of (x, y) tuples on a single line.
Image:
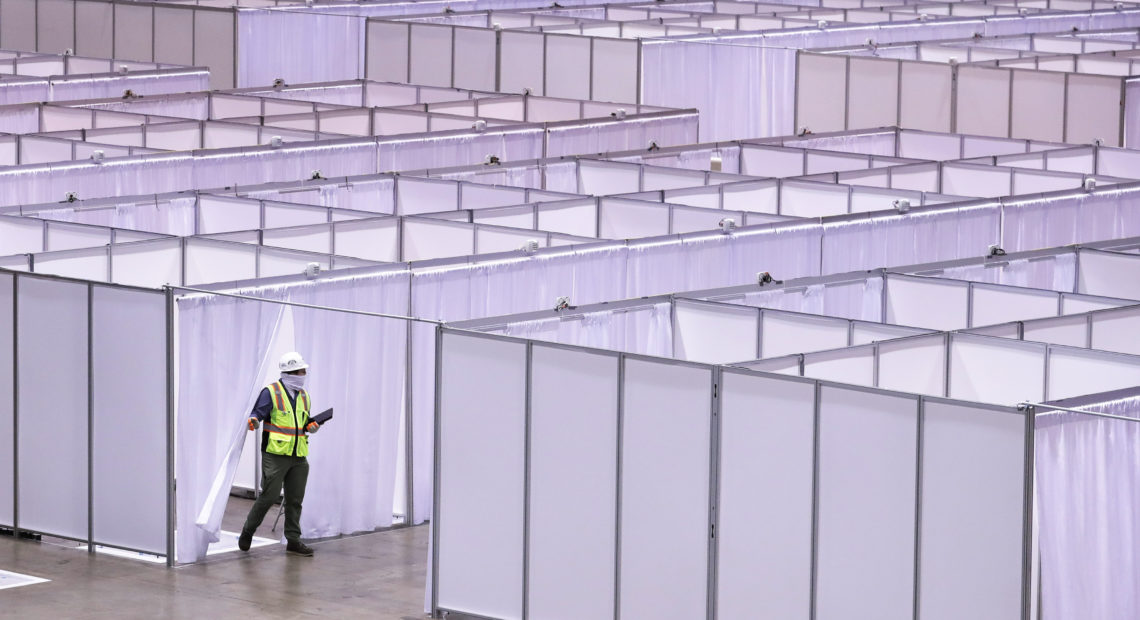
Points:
[(223, 348), (1088, 505), (674, 130), (299, 47), (358, 367)]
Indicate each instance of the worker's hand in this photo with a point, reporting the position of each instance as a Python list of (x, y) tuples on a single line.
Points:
[(253, 424), (312, 427)]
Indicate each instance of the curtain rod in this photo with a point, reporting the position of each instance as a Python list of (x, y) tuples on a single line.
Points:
[(1069, 410), (301, 305)]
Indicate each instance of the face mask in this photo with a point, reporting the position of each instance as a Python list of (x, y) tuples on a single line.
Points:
[(293, 382)]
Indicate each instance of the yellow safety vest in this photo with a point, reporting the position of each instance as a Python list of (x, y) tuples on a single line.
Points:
[(286, 425)]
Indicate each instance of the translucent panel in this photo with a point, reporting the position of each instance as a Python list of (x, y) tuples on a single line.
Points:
[(53, 407)]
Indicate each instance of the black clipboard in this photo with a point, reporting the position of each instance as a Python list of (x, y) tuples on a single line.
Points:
[(322, 417)]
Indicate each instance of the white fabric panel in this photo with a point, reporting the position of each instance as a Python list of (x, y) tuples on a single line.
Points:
[(491, 240), (220, 214), (93, 29), (865, 333), (999, 305), (664, 501), (1072, 331), (874, 93), (149, 264), (431, 55), (21, 236), (866, 512), (1074, 372), (855, 365), (173, 36), (996, 370), (925, 96), (570, 217), (976, 181), (308, 238), (604, 178), (982, 101), (514, 217), (475, 55), (1094, 110), (129, 425), (18, 17), (53, 406), (686, 220), (813, 199), (973, 512), (821, 92), (783, 334), (654, 178), (1111, 275), (1109, 328), (482, 196), (386, 48), (425, 196), (214, 46), (1038, 105), (428, 239), (567, 67), (69, 237), (771, 161), (218, 262), (632, 219), (134, 38), (481, 463), (521, 64), (273, 262), (88, 264), (7, 404), (931, 304), (573, 483), (279, 215), (714, 334), (1002, 330), (615, 70), (915, 365), (765, 497), (372, 239)]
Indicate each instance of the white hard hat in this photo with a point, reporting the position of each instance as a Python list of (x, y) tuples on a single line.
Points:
[(291, 362)]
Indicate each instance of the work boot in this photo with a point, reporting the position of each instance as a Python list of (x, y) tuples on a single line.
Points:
[(245, 540), (297, 547)]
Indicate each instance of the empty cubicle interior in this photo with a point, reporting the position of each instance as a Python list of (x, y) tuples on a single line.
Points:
[(89, 427), (567, 443)]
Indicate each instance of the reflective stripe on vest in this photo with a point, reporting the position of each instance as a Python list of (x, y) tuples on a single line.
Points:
[(286, 425)]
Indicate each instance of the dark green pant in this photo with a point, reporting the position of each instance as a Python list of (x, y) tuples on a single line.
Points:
[(293, 472)]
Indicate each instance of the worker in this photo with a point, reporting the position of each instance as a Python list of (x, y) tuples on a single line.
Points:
[(283, 407)]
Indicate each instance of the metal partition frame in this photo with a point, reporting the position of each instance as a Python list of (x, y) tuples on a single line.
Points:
[(91, 541), (713, 517)]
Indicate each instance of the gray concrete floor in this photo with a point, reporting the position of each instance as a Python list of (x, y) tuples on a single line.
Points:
[(377, 575)]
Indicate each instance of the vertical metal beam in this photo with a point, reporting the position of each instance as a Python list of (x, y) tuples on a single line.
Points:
[(16, 405), (617, 503), (1027, 515), (920, 436), (170, 497), (409, 417), (90, 421), (435, 486), (714, 490), (526, 480), (815, 500)]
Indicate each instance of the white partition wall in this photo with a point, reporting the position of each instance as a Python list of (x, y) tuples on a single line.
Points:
[(865, 557), (665, 460), (973, 503), (572, 484), (129, 407), (764, 517), (7, 403), (52, 382), (480, 478)]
